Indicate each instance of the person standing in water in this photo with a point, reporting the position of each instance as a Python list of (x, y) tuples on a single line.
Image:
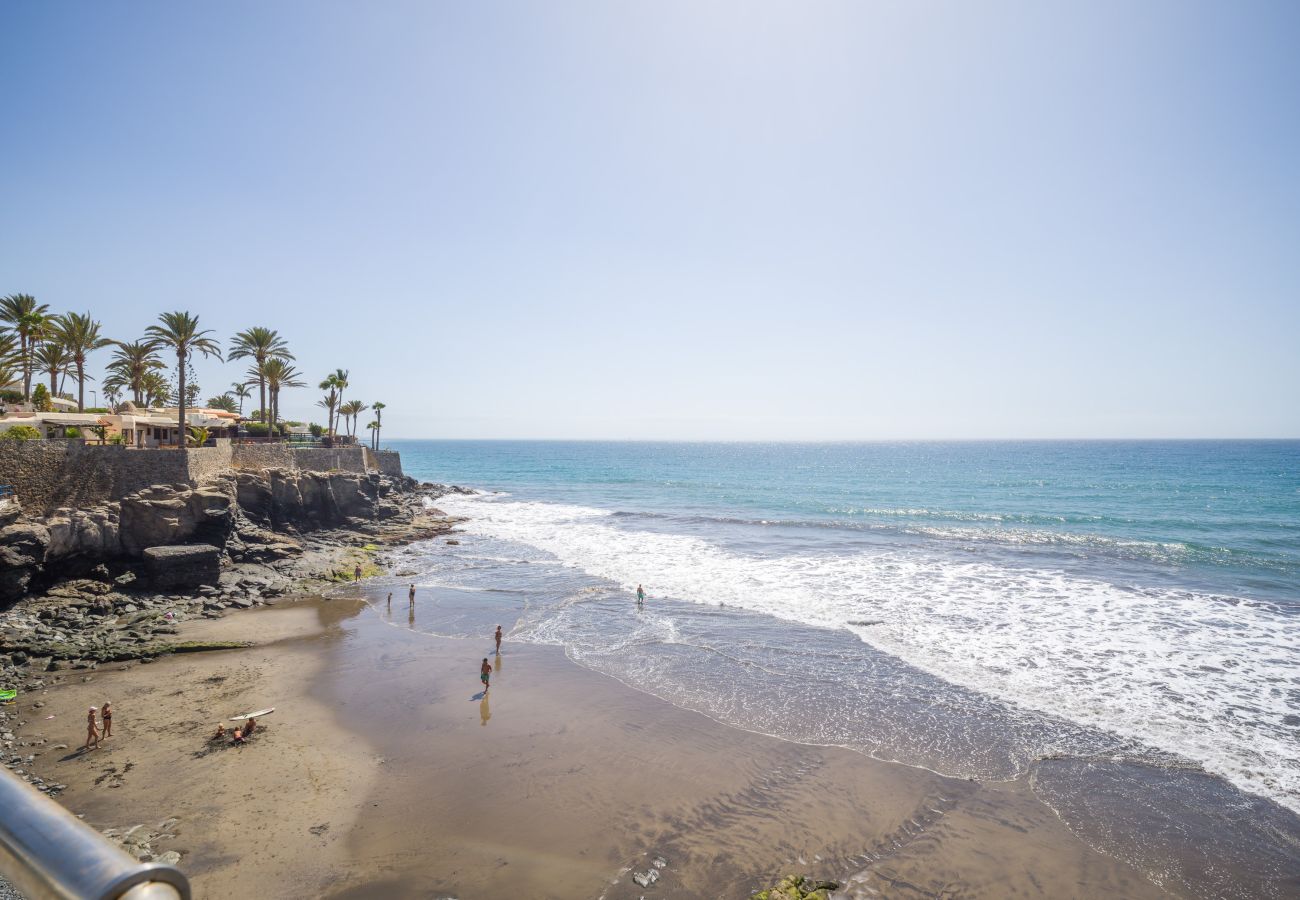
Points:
[(640, 595), (485, 675), (498, 637), (356, 573), (412, 595)]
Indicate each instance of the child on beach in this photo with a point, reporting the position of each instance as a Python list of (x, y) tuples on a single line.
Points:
[(485, 674), (242, 735), (92, 729), (640, 595), (106, 713)]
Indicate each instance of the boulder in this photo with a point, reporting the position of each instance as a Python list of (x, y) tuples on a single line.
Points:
[(182, 565), (22, 555)]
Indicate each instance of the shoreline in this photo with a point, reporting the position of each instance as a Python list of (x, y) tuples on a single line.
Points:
[(571, 783)]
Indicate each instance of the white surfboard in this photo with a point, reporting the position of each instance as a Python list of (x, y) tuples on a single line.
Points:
[(253, 715)]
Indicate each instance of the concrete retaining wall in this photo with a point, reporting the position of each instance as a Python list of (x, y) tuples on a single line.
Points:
[(329, 459)]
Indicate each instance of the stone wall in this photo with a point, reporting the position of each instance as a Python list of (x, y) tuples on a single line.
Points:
[(390, 463), (330, 459), (256, 457), (50, 474)]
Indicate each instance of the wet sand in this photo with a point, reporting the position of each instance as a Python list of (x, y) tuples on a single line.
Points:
[(385, 773)]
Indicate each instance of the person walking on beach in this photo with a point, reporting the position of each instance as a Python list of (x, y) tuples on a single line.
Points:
[(485, 675), (356, 573), (92, 730), (412, 595), (498, 637), (640, 595), (106, 713)]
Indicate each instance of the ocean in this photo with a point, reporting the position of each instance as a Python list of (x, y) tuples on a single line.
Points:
[(1117, 622)]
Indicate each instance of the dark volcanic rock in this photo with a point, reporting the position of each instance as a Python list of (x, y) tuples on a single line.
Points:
[(182, 565)]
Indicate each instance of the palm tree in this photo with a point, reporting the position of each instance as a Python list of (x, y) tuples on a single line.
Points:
[(279, 374), (327, 403), (10, 361), (240, 391), (180, 332), (374, 434), (79, 335), (25, 318), (379, 408), (349, 412), (156, 390), (335, 382), (129, 365), (54, 360), (260, 345), (223, 402)]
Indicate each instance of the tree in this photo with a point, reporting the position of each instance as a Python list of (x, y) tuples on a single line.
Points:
[(130, 364), (198, 435), (261, 345), (20, 433), (11, 366), (156, 389), (335, 383), (379, 408), (179, 331), (350, 411), (374, 434), (40, 398), (279, 374), (26, 318), (54, 360), (327, 403), (223, 402), (240, 391), (79, 335)]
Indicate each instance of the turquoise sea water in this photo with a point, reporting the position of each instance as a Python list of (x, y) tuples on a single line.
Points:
[(1118, 621)]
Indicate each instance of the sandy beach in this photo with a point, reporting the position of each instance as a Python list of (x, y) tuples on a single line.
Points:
[(385, 772)]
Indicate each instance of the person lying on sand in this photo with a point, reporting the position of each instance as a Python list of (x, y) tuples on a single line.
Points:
[(92, 730), (485, 674), (106, 713)]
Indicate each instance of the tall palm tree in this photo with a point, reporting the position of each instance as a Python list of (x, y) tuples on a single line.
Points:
[(379, 408), (260, 345), (374, 434), (349, 412), (279, 374), (334, 383), (25, 317), (129, 365), (79, 335), (53, 360), (239, 390), (327, 403), (179, 331)]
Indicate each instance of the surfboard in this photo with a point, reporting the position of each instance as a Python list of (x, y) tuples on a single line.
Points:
[(253, 715)]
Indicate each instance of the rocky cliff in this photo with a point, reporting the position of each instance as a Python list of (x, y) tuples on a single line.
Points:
[(244, 516)]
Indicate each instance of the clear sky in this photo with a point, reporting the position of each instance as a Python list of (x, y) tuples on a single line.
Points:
[(804, 220)]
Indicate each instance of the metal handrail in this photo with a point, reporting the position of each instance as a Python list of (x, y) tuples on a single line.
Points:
[(49, 854)]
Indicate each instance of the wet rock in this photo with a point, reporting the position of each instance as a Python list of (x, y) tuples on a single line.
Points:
[(183, 565)]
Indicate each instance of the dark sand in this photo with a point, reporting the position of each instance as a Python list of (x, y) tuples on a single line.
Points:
[(384, 773)]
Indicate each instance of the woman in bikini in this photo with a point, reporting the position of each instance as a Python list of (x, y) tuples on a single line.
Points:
[(92, 730), (106, 713)]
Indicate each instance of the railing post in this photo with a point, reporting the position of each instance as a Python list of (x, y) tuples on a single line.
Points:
[(50, 854)]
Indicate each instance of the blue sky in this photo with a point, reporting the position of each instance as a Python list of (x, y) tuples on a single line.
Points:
[(805, 220)]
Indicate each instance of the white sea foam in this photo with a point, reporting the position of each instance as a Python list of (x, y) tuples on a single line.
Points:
[(1212, 678)]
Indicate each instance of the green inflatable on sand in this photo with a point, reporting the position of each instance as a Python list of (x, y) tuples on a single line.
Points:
[(8, 693)]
